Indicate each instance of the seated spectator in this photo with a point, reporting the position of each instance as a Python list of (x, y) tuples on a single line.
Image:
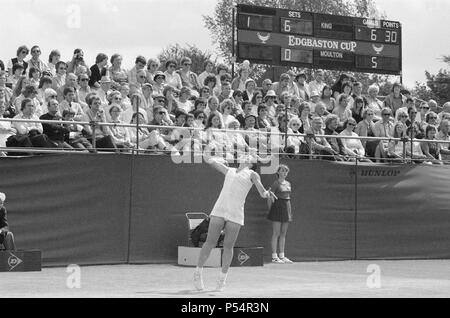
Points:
[(210, 83), (270, 101), (71, 81), (305, 116), (99, 135), (358, 108), (408, 103), (98, 70), (264, 122), (338, 88), (188, 78), (365, 128), (431, 149), (35, 60), (32, 130), (77, 63), (353, 147), (423, 110), (147, 94), (19, 60), (84, 89), (342, 111), (281, 86), (226, 108), (145, 139), (57, 133), (183, 102), (396, 148), (416, 152), (29, 92), (357, 93), (347, 91), (443, 134), (161, 118), (152, 68), (239, 82), (209, 71), (6, 92), (226, 92), (125, 91), (383, 128), (44, 83), (14, 77), (315, 98), (236, 140), (6, 130), (139, 65), (53, 59), (412, 121), (331, 126), (137, 103), (318, 83), (120, 135), (59, 79), (302, 86), (431, 118), (117, 74), (222, 72), (319, 145), (172, 77), (327, 98), (237, 101), (395, 99), (69, 103), (34, 76), (159, 79), (104, 90), (373, 102), (6, 236), (321, 111), (433, 106), (295, 141), (215, 136), (75, 138)]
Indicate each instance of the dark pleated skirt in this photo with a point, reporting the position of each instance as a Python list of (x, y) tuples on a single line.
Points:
[(280, 211)]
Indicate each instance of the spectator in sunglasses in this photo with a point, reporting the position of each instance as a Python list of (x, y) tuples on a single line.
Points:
[(353, 148), (152, 68), (35, 60), (83, 90), (172, 77), (188, 78), (22, 53)]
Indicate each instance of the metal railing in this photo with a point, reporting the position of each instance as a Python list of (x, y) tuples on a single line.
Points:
[(259, 133)]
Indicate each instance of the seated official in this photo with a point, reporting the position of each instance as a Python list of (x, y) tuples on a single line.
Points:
[(6, 236)]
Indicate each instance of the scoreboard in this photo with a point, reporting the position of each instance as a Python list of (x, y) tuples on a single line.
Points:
[(305, 39)]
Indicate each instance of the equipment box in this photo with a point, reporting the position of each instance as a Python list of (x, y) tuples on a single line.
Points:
[(242, 256), (20, 261)]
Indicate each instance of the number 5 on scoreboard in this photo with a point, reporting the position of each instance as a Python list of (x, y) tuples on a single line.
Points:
[(374, 62)]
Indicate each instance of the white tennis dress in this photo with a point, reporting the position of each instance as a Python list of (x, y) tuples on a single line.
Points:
[(230, 204)]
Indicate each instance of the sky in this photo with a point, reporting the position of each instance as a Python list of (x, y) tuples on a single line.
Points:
[(144, 27)]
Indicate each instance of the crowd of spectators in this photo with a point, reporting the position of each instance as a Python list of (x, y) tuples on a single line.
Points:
[(209, 109)]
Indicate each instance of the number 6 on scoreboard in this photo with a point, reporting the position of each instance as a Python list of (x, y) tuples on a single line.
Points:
[(374, 62)]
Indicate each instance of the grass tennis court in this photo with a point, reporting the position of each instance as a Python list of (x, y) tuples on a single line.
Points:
[(418, 278)]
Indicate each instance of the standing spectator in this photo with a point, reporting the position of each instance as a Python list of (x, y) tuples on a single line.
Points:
[(35, 61), (139, 65), (302, 86), (172, 77), (103, 138), (77, 64), (373, 102), (317, 84), (6, 236), (209, 71), (21, 54), (59, 79), (188, 78), (117, 74), (98, 70), (53, 59), (395, 99), (152, 68), (57, 133)]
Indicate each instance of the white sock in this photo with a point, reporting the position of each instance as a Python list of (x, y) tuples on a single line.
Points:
[(281, 255), (199, 270), (274, 255), (223, 276)]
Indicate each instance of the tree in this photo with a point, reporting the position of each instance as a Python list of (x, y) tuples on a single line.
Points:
[(177, 52), (220, 27), (437, 86)]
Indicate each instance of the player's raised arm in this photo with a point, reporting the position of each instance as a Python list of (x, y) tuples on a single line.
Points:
[(218, 164)]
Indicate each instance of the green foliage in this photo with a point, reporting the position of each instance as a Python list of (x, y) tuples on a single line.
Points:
[(177, 52)]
